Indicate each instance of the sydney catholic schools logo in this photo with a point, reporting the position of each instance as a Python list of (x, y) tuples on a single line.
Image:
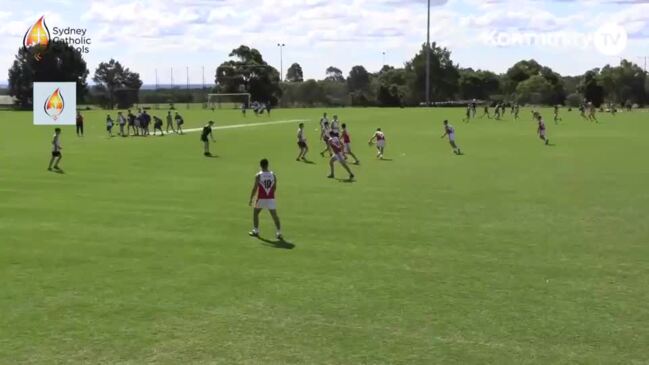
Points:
[(37, 38), (55, 103)]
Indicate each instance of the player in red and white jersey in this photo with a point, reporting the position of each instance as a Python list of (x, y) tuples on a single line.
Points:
[(541, 130), (449, 131), (264, 189), (379, 137), (337, 155), (301, 143), (347, 143), (325, 135)]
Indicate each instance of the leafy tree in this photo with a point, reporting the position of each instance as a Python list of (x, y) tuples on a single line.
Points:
[(358, 79), (536, 90), (248, 72), (120, 83), (444, 74), (294, 73), (478, 84), (622, 83), (524, 70), (61, 62), (334, 74), (591, 89)]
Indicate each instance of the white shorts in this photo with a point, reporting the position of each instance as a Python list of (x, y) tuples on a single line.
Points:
[(542, 134), (380, 143), (451, 137), (265, 204), (348, 147), (339, 157)]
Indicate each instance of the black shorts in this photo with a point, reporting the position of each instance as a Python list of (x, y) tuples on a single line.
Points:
[(302, 144), (56, 154), (204, 139)]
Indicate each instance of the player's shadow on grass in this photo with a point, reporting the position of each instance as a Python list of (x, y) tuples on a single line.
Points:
[(281, 244), (348, 181), (386, 159), (308, 162)]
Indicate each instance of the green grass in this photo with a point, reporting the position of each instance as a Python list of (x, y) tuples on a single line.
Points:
[(515, 253)]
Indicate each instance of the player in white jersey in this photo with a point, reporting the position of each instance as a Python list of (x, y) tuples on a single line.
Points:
[(324, 121), (379, 137), (264, 188), (325, 135), (449, 131), (56, 151), (335, 126), (301, 143)]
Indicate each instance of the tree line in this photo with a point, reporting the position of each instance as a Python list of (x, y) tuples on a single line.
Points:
[(525, 82)]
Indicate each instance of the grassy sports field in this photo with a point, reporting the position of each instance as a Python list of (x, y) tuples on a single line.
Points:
[(514, 253)]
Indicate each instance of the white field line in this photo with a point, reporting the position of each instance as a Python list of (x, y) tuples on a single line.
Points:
[(234, 126)]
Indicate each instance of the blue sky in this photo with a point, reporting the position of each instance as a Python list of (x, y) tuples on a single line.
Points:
[(146, 35)]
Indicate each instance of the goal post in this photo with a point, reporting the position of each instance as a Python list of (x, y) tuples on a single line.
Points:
[(233, 100)]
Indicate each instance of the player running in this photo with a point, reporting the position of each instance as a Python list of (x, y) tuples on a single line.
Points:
[(337, 155), (557, 118), (347, 143), (109, 125), (591, 113), (467, 116), (379, 137), (207, 132), (517, 109), (264, 188), (486, 112), (56, 151), (541, 131), (324, 133), (450, 132), (301, 143), (335, 126)]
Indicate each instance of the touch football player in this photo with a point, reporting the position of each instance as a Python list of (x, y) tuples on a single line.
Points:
[(379, 137), (264, 188), (450, 132)]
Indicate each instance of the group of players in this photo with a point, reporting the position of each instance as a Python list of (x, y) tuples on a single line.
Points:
[(334, 134), (138, 125)]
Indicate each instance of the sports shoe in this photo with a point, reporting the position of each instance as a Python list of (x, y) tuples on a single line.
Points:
[(253, 234)]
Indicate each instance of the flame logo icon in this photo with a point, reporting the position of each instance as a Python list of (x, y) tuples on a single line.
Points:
[(54, 104), (37, 37)]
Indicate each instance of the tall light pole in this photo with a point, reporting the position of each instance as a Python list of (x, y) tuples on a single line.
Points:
[(383, 59), (428, 57), (281, 61)]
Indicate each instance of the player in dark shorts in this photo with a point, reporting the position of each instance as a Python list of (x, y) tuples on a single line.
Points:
[(56, 151), (557, 118), (207, 132), (486, 112), (179, 123), (170, 122), (79, 125), (301, 143), (157, 126), (131, 123)]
